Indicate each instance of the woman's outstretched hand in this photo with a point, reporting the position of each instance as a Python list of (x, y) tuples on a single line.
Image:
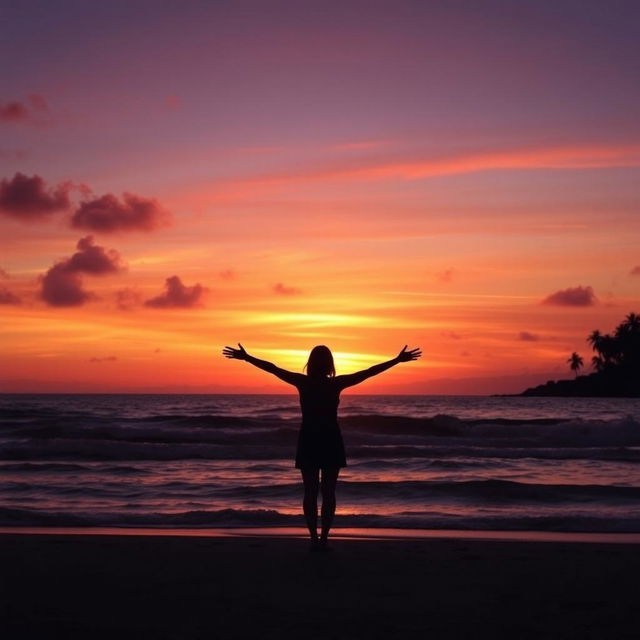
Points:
[(238, 354), (406, 356)]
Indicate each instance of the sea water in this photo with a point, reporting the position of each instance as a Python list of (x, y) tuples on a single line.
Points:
[(443, 462)]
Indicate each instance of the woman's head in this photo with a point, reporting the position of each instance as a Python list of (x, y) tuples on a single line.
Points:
[(320, 363)]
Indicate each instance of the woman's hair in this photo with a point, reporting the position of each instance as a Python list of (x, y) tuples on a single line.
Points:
[(320, 363)]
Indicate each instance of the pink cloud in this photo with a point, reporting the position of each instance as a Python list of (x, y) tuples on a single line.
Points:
[(6, 297), (3, 274), (635, 271), (572, 297), (284, 290), (17, 111), (106, 359), (108, 214), (227, 274), (177, 295), (526, 336), (62, 285), (29, 199), (418, 168), (13, 111)]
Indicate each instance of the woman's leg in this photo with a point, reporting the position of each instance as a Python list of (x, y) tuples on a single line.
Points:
[(328, 488), (310, 502)]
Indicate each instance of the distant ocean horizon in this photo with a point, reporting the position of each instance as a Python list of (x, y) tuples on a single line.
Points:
[(414, 461)]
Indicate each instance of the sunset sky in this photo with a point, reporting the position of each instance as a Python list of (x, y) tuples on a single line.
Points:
[(175, 177)]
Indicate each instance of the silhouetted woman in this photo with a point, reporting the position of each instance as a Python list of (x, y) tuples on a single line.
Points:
[(320, 446)]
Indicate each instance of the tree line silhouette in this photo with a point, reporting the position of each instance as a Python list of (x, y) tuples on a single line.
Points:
[(620, 349), (616, 365)]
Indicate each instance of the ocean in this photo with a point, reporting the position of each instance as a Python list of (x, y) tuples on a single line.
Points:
[(437, 462)]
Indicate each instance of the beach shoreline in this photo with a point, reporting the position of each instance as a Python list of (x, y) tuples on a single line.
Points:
[(179, 586), (337, 533)]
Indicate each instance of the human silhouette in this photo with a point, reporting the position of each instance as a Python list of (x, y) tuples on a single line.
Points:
[(320, 453)]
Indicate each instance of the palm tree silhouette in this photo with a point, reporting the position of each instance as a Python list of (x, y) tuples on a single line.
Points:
[(598, 363), (575, 362), (594, 339)]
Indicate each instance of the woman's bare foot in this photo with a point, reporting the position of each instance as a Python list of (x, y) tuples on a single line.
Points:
[(323, 545)]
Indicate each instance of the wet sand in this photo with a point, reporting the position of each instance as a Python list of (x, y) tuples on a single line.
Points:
[(112, 586)]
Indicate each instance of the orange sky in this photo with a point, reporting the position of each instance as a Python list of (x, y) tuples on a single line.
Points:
[(325, 181)]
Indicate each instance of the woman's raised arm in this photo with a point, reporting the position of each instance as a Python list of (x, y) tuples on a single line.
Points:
[(356, 378), (240, 354)]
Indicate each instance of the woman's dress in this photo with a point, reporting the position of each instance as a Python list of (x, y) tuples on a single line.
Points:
[(320, 443)]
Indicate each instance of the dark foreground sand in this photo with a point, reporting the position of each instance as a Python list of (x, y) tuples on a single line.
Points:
[(94, 587)]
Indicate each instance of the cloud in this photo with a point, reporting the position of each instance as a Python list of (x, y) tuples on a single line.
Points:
[(107, 214), (93, 259), (63, 288), (569, 157), (127, 299), (284, 290), (635, 271), (6, 297), (572, 297), (177, 295), (3, 274), (107, 359), (62, 285), (17, 111), (227, 274), (13, 111), (452, 335), (525, 336), (29, 199)]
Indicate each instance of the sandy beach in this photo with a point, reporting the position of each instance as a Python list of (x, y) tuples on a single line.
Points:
[(114, 586)]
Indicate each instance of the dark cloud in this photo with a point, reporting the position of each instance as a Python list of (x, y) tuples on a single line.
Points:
[(285, 290), (62, 285), (6, 297), (13, 112), (452, 335), (635, 271), (107, 214), (107, 359), (63, 288), (127, 299), (572, 297), (525, 336), (29, 199), (17, 111), (177, 295), (93, 259)]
